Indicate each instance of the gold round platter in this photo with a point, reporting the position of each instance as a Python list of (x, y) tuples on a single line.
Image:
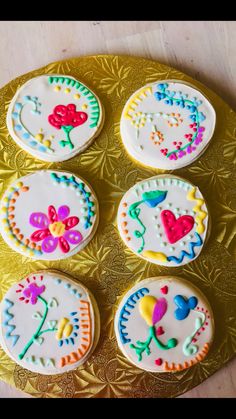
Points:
[(106, 266)]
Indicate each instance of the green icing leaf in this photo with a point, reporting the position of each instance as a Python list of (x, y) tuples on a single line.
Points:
[(52, 324), (52, 303), (39, 340), (37, 315)]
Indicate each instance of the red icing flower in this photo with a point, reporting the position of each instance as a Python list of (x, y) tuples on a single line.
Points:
[(67, 116)]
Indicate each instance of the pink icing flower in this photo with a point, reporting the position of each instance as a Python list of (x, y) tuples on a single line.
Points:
[(33, 291), (55, 229)]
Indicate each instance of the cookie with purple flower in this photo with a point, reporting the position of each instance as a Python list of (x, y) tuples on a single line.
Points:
[(167, 124), (49, 323), (48, 215)]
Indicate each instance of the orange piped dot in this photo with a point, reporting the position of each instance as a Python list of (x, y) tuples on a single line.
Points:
[(124, 224), (125, 231), (26, 242), (32, 245), (165, 366), (24, 188), (10, 209), (20, 237), (12, 201), (123, 214), (15, 194), (11, 216), (124, 204), (12, 225), (16, 230), (38, 247)]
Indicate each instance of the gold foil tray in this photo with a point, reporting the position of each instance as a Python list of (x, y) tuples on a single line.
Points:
[(106, 266)]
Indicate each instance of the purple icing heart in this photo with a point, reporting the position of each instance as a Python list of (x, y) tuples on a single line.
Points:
[(159, 310), (181, 153), (201, 129)]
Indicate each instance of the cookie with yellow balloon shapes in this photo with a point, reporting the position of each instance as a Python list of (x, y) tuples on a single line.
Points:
[(54, 117), (164, 324), (50, 323)]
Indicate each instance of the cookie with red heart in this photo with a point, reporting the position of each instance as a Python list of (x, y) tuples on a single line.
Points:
[(164, 220), (54, 117)]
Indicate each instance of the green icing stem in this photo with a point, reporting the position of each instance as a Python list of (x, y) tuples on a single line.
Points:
[(47, 330), (37, 333), (67, 129), (134, 212), (144, 346)]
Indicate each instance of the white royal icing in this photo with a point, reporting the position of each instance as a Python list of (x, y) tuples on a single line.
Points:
[(49, 323), (174, 312), (164, 220), (158, 134), (40, 121), (48, 215)]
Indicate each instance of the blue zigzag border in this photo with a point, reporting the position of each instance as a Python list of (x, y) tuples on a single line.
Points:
[(7, 316), (183, 253)]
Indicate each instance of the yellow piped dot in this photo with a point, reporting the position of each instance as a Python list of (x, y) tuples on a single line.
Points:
[(77, 96), (39, 137), (11, 189), (19, 184), (31, 253), (5, 199), (84, 106), (5, 221), (57, 88), (7, 229), (4, 209), (17, 244), (47, 143), (67, 90), (24, 247)]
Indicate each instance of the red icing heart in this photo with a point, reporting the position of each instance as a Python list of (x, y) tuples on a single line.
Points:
[(174, 228), (158, 361), (164, 289), (160, 331)]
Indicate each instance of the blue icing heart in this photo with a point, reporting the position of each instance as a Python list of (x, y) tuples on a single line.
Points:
[(184, 306)]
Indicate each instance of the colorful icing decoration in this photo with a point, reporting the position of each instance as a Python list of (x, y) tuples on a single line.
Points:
[(36, 122), (56, 229), (45, 332), (167, 124), (66, 118), (55, 218), (176, 229), (151, 322), (158, 219), (184, 306)]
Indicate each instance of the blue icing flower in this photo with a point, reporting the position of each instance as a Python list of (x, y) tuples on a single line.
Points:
[(184, 306), (153, 198)]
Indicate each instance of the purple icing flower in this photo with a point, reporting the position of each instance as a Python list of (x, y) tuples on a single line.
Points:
[(33, 291), (55, 229)]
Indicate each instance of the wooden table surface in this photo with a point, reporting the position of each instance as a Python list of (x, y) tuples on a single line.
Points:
[(204, 50)]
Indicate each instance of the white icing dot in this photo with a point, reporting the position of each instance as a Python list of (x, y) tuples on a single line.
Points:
[(158, 209), (182, 243), (172, 248)]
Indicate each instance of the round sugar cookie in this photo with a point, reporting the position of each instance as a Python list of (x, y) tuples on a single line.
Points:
[(48, 215), (167, 124), (50, 323), (164, 324), (54, 117), (164, 219)]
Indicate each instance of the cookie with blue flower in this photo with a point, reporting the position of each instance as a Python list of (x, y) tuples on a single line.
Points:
[(50, 323), (164, 324), (167, 124)]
